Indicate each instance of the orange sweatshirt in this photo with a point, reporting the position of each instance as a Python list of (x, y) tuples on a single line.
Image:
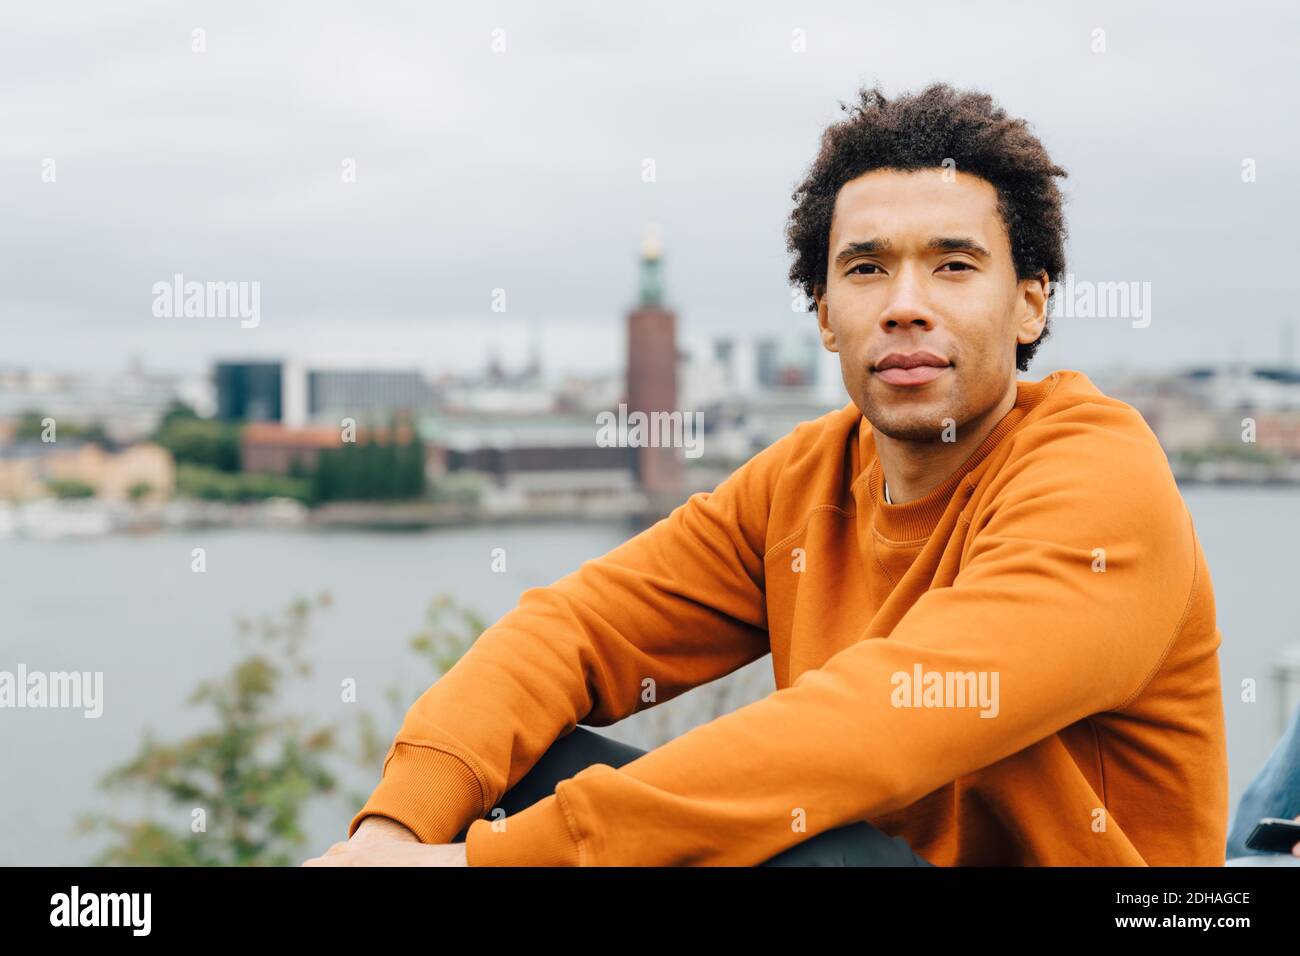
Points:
[(1019, 668)]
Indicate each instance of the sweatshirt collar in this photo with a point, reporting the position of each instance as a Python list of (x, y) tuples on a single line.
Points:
[(913, 521)]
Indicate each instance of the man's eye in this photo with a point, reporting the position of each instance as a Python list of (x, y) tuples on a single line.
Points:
[(863, 265), (957, 262)]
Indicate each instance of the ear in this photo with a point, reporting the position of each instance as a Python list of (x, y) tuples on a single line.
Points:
[(824, 321), (1032, 308)]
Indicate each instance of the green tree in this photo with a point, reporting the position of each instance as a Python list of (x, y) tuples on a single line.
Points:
[(65, 488), (450, 627), (324, 481), (389, 473), (95, 434), (254, 769), (202, 441), (349, 471), (251, 772), (31, 427), (370, 470), (374, 481), (175, 411), (209, 484), (414, 483)]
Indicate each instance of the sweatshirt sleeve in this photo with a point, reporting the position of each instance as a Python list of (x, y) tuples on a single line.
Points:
[(676, 606), (1029, 606)]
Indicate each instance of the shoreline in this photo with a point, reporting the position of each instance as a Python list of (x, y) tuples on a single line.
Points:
[(49, 519)]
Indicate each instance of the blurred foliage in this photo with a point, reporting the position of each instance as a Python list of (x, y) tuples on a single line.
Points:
[(371, 470), (251, 773), (449, 630), (30, 428), (175, 411), (199, 441), (209, 484), (1230, 450), (140, 490), (69, 488), (254, 770)]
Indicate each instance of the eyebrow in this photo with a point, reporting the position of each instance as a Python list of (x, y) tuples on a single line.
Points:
[(868, 247)]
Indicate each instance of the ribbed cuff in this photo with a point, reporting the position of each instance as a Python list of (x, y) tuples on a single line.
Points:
[(431, 792), (535, 836)]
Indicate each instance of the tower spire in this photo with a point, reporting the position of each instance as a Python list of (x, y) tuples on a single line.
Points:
[(652, 289)]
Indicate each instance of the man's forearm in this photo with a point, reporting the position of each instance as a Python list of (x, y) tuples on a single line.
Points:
[(375, 827)]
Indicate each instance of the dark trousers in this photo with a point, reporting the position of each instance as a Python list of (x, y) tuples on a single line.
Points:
[(857, 844)]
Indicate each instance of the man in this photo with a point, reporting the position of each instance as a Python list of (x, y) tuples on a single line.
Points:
[(991, 623)]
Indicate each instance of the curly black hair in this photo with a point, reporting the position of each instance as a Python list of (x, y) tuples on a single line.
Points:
[(920, 131)]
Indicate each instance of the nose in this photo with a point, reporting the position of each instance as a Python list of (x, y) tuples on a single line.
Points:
[(908, 305)]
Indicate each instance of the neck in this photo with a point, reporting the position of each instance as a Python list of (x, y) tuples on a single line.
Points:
[(914, 469)]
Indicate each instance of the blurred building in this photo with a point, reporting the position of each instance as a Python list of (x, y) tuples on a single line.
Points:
[(317, 391), (652, 359), (499, 391), (28, 468), (1242, 387), (766, 351), (272, 447), (532, 461), (126, 404), (249, 391), (1278, 432), (325, 390), (1232, 422), (749, 366)]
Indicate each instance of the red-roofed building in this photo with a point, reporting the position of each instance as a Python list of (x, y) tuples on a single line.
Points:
[(271, 447)]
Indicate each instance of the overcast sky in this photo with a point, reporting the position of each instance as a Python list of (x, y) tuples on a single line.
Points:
[(522, 169)]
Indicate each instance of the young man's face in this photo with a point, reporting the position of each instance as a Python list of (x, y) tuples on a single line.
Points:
[(918, 263)]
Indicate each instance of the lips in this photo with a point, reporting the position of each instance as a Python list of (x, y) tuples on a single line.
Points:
[(910, 368), (917, 375)]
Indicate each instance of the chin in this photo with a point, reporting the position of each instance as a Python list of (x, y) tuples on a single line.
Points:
[(921, 422), (919, 430)]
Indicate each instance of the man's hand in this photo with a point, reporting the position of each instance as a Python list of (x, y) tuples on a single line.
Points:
[(392, 853), (379, 841)]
